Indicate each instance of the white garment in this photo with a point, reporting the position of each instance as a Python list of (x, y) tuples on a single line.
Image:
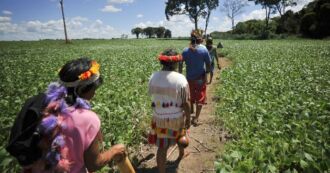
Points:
[(202, 45), (168, 89)]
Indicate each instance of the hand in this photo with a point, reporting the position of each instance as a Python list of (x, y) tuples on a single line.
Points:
[(119, 152), (219, 67)]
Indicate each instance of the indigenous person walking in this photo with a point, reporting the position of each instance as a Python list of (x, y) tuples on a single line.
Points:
[(171, 110), (198, 64), (71, 131), (213, 54)]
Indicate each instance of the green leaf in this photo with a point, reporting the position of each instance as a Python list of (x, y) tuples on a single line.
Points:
[(308, 156), (6, 162), (236, 154), (260, 120), (287, 171), (303, 164), (272, 168)]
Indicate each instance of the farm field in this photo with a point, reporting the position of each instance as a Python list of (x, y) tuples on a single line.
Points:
[(121, 102), (274, 99), (276, 104)]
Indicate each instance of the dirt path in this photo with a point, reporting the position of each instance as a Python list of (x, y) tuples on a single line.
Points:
[(204, 140)]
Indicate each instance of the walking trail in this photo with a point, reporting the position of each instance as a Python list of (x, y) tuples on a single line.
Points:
[(205, 140)]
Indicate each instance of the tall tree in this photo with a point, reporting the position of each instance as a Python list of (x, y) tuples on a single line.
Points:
[(168, 33), (282, 4), (269, 6), (149, 31), (192, 8), (137, 31), (210, 5), (233, 8), (160, 31), (315, 21)]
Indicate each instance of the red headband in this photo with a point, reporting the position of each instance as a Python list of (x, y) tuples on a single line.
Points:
[(175, 58)]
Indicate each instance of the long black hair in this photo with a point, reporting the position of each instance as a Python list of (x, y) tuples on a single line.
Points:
[(58, 98), (70, 72)]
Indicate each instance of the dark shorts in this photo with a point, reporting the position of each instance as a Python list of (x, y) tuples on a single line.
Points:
[(197, 91)]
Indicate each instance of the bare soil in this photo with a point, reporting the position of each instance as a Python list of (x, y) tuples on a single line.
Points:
[(205, 140)]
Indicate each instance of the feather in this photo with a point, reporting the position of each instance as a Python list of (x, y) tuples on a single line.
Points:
[(48, 124), (81, 103), (54, 92), (58, 141)]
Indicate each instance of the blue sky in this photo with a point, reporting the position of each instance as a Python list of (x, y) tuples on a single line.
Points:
[(41, 19)]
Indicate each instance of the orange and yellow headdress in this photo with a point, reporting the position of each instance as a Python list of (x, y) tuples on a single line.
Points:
[(94, 70), (87, 77)]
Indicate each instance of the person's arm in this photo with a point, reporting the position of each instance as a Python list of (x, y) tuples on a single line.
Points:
[(186, 107), (211, 77), (207, 60), (95, 158)]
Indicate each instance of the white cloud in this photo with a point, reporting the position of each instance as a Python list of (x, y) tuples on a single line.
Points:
[(80, 19), (36, 26), (7, 28), (120, 1), (111, 9), (255, 14), (260, 13), (215, 18), (6, 12), (180, 25), (139, 16), (4, 19), (77, 27), (225, 25), (300, 5)]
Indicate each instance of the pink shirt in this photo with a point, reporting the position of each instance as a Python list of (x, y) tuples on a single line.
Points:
[(82, 127)]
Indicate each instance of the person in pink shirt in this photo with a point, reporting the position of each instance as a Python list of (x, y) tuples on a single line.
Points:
[(70, 130)]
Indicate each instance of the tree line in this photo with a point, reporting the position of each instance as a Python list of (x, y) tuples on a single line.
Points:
[(150, 32), (312, 21)]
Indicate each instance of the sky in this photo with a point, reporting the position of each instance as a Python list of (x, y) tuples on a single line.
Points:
[(42, 19)]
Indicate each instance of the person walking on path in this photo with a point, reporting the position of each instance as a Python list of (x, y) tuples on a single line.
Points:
[(171, 109), (214, 55), (71, 132), (198, 65)]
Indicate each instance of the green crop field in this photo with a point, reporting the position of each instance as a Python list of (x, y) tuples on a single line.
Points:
[(122, 102), (275, 97), (276, 104)]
